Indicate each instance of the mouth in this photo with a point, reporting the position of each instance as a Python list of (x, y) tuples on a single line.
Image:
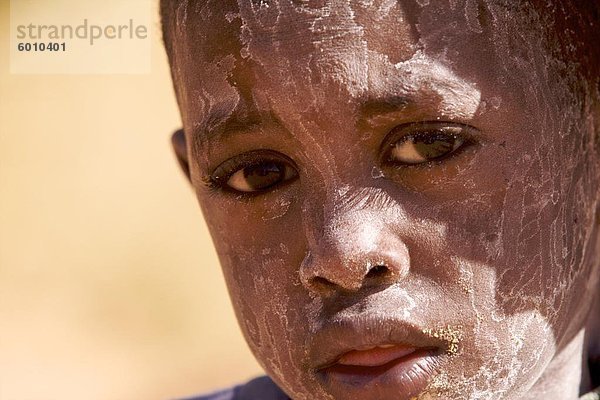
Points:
[(381, 358)]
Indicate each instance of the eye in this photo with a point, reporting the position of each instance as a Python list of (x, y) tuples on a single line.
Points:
[(424, 142), (254, 178), (254, 172), (417, 149)]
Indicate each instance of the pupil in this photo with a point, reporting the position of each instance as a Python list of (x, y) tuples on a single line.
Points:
[(263, 175), (433, 147)]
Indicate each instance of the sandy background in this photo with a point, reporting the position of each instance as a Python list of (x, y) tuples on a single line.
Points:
[(109, 286)]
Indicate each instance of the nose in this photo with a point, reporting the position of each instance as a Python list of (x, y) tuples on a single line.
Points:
[(356, 250)]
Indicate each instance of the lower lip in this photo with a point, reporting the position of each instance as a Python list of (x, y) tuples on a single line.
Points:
[(403, 377)]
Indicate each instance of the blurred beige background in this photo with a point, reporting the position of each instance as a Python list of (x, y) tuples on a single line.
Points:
[(109, 285)]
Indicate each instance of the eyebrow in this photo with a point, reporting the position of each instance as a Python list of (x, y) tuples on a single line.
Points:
[(380, 106), (222, 122), (372, 106)]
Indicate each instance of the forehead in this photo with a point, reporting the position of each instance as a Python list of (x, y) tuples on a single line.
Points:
[(384, 26), (303, 25), (316, 30), (250, 56)]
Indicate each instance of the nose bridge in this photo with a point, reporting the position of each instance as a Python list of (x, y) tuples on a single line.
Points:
[(354, 243), (354, 233)]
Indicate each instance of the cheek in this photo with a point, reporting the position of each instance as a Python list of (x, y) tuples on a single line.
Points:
[(529, 291), (504, 354), (260, 248), (263, 302), (274, 315), (499, 352), (522, 257), (545, 234)]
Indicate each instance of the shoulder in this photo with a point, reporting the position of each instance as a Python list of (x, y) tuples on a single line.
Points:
[(593, 395), (261, 388)]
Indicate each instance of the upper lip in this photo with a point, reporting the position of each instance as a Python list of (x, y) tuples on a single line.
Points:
[(340, 336)]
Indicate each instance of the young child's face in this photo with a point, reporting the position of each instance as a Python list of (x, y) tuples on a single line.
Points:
[(377, 173)]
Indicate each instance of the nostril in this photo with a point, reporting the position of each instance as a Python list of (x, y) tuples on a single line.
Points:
[(377, 271), (322, 283), (348, 280)]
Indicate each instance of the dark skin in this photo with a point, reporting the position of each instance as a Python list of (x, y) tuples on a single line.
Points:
[(418, 180)]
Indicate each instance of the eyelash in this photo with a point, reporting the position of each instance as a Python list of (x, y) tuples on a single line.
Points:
[(425, 130), (217, 182)]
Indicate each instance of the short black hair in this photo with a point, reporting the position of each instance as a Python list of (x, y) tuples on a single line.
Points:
[(167, 15)]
